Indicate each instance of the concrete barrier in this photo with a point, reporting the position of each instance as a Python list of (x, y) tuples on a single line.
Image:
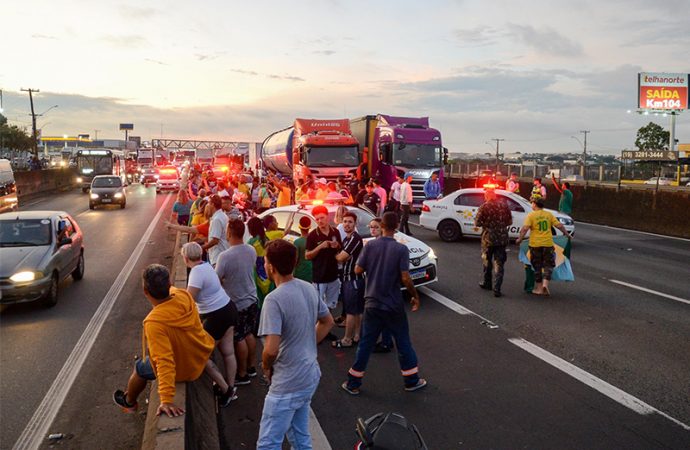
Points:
[(664, 212), (197, 429), (34, 182)]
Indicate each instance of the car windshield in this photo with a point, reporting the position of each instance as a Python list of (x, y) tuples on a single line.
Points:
[(24, 232), (107, 182), (332, 156), (416, 155)]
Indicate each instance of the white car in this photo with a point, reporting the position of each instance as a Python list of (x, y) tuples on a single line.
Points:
[(423, 261), (663, 181), (453, 215)]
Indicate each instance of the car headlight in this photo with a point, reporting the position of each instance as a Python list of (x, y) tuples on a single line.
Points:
[(118, 195), (431, 254), (94, 196), (565, 221), (156, 176), (21, 277), (80, 180)]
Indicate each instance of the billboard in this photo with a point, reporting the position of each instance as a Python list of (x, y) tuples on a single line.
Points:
[(126, 126), (650, 155), (662, 91)]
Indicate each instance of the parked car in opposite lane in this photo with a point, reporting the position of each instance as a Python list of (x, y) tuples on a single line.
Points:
[(107, 190), (663, 181), (453, 215), (38, 249)]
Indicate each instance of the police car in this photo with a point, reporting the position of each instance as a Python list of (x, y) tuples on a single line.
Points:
[(423, 261), (453, 215)]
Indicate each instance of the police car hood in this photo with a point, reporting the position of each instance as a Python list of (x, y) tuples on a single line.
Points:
[(416, 247)]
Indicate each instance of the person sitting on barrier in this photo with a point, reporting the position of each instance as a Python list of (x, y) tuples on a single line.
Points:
[(178, 346)]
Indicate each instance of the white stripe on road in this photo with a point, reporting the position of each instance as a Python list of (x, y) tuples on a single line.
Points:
[(633, 231), (587, 378), (592, 381), (318, 438), (644, 289), (35, 432)]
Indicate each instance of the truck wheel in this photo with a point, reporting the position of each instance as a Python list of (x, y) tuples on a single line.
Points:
[(449, 231), (51, 296)]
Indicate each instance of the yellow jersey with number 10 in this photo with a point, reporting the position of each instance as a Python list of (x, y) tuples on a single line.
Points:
[(540, 223)]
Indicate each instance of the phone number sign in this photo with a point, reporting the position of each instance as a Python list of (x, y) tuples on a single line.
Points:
[(662, 91), (650, 155)]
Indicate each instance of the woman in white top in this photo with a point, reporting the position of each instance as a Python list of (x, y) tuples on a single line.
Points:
[(218, 314)]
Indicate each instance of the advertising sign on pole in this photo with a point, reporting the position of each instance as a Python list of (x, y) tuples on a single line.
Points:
[(650, 155), (662, 91), (126, 126)]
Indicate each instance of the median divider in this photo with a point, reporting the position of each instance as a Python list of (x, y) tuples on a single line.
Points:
[(198, 427), (31, 183)]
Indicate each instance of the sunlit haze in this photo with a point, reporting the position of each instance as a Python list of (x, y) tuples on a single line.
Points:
[(532, 73)]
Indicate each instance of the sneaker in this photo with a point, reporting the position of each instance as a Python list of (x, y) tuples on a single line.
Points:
[(242, 381), (420, 384), (251, 372), (380, 348), (230, 396), (349, 390), (485, 286), (120, 399), (498, 294)]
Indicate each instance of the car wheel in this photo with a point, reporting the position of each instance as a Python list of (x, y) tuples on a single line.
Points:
[(449, 231), (51, 296), (84, 190), (122, 205), (78, 273), (92, 206)]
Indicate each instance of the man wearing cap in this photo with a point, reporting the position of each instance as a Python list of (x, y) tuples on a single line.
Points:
[(303, 269), (323, 244), (494, 217), (432, 187), (406, 203), (322, 189), (370, 200)]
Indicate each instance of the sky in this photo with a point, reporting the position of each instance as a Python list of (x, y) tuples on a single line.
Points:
[(533, 73)]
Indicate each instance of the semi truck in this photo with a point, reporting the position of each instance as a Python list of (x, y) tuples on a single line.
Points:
[(204, 157), (399, 145), (312, 147)]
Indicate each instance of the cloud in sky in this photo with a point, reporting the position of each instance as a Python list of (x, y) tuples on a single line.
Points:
[(226, 70)]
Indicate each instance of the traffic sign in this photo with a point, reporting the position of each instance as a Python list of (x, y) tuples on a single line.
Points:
[(650, 155)]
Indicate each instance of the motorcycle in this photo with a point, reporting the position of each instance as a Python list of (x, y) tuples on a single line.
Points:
[(389, 431)]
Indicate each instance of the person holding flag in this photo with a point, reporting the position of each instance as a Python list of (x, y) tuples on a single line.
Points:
[(541, 246)]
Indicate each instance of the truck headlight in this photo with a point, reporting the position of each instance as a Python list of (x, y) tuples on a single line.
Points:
[(21, 277), (156, 176), (94, 196)]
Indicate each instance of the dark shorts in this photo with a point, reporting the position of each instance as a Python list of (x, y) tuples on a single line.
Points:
[(543, 260), (247, 322), (217, 322), (144, 369), (353, 296)]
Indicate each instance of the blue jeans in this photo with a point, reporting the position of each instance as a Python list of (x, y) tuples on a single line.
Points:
[(374, 322), (286, 414)]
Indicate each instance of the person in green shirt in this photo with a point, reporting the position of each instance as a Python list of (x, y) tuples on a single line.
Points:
[(565, 204), (303, 267)]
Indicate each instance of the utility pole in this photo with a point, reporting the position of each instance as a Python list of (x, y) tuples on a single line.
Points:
[(497, 144), (584, 155), (34, 143), (95, 132)]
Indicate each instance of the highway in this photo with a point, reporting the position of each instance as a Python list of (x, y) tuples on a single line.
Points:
[(602, 363)]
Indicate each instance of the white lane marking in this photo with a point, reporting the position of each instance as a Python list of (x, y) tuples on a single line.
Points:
[(82, 213), (594, 382), (632, 231), (587, 378), (34, 203), (318, 438), (35, 432), (644, 289), (450, 304)]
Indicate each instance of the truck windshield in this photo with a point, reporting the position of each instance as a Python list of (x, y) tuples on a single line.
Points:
[(95, 164), (416, 155), (332, 156), (145, 161)]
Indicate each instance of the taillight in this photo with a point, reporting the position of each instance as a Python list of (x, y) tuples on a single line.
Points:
[(425, 208)]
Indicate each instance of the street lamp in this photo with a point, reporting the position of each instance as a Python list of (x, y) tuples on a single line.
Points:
[(46, 111)]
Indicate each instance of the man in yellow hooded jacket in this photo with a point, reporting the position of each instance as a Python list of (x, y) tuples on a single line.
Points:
[(178, 346)]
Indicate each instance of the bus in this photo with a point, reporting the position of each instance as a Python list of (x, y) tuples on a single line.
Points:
[(100, 161)]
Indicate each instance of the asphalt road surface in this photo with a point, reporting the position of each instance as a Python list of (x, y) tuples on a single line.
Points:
[(36, 341), (599, 364)]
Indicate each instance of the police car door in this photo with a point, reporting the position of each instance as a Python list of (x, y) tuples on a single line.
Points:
[(518, 212), (466, 206)]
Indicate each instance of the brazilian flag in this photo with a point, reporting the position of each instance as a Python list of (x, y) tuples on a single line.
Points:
[(562, 271)]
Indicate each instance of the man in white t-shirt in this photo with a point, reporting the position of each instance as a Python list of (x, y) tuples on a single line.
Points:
[(381, 192), (406, 204), (217, 234), (394, 197)]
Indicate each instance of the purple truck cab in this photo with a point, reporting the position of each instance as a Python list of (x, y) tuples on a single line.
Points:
[(399, 145)]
